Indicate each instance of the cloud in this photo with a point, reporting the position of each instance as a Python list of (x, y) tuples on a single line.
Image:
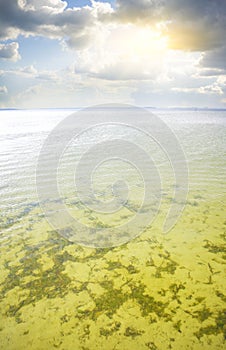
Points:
[(31, 73), (52, 6), (214, 59), (3, 90), (117, 49), (47, 76), (190, 25), (196, 25), (211, 89), (141, 11), (206, 72), (118, 67), (208, 89), (52, 19), (9, 51), (146, 95), (29, 70), (125, 52), (213, 63)]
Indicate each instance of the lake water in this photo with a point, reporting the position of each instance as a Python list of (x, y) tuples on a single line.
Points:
[(156, 291)]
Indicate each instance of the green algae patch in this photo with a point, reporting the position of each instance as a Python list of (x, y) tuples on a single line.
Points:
[(132, 332), (156, 292), (219, 326), (109, 302)]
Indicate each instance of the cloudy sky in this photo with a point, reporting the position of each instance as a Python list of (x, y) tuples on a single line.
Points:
[(76, 53)]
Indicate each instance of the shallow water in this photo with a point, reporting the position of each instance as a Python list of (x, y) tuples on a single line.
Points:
[(155, 292)]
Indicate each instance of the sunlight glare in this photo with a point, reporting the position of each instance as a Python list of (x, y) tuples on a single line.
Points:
[(138, 41)]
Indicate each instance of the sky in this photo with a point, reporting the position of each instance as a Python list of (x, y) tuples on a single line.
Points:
[(77, 53)]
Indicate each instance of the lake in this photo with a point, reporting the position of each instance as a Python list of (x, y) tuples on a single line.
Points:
[(135, 288)]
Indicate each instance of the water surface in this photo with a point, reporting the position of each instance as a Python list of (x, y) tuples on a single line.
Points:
[(156, 292)]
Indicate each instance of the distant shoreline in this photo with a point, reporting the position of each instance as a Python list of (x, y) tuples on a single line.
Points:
[(145, 107)]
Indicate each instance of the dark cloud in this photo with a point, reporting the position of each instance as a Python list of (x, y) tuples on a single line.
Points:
[(214, 59), (47, 18), (139, 11), (206, 72), (213, 63), (13, 19), (195, 25)]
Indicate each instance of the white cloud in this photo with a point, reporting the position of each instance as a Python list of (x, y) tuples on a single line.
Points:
[(222, 80), (9, 51), (29, 70), (211, 89), (176, 89), (124, 52), (52, 19), (47, 76), (52, 6), (208, 89), (3, 90)]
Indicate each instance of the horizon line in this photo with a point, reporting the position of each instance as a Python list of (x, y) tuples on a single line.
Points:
[(149, 107)]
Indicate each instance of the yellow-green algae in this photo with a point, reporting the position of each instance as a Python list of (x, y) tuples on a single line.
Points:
[(157, 292)]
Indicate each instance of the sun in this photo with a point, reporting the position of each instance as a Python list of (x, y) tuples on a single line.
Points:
[(143, 41), (135, 41)]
